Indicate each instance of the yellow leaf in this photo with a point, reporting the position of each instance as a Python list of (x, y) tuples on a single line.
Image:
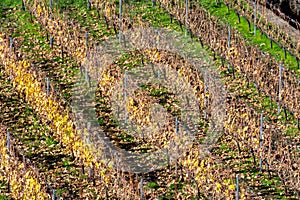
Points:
[(245, 129), (218, 186), (39, 10), (231, 187)]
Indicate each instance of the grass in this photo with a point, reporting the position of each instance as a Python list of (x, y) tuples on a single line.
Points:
[(3, 189), (259, 40), (153, 185), (10, 3)]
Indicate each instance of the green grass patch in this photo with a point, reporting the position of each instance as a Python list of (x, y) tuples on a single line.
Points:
[(260, 40)]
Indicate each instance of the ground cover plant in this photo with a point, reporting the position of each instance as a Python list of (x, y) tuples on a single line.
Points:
[(45, 46)]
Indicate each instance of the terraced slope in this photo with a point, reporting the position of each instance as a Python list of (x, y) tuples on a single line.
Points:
[(193, 176)]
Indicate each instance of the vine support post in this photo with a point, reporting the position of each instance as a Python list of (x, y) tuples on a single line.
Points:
[(8, 152), (141, 189), (255, 13), (120, 21), (279, 88), (228, 46), (168, 158), (237, 187), (153, 3), (54, 194), (125, 97), (158, 74), (51, 41), (50, 4), (88, 4), (87, 77), (47, 86), (186, 16), (176, 131), (205, 91), (11, 43), (86, 42), (88, 129), (165, 74), (261, 140)]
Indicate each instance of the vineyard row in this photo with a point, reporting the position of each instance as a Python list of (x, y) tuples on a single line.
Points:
[(270, 30), (22, 179), (258, 68), (83, 43), (226, 182), (115, 20)]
